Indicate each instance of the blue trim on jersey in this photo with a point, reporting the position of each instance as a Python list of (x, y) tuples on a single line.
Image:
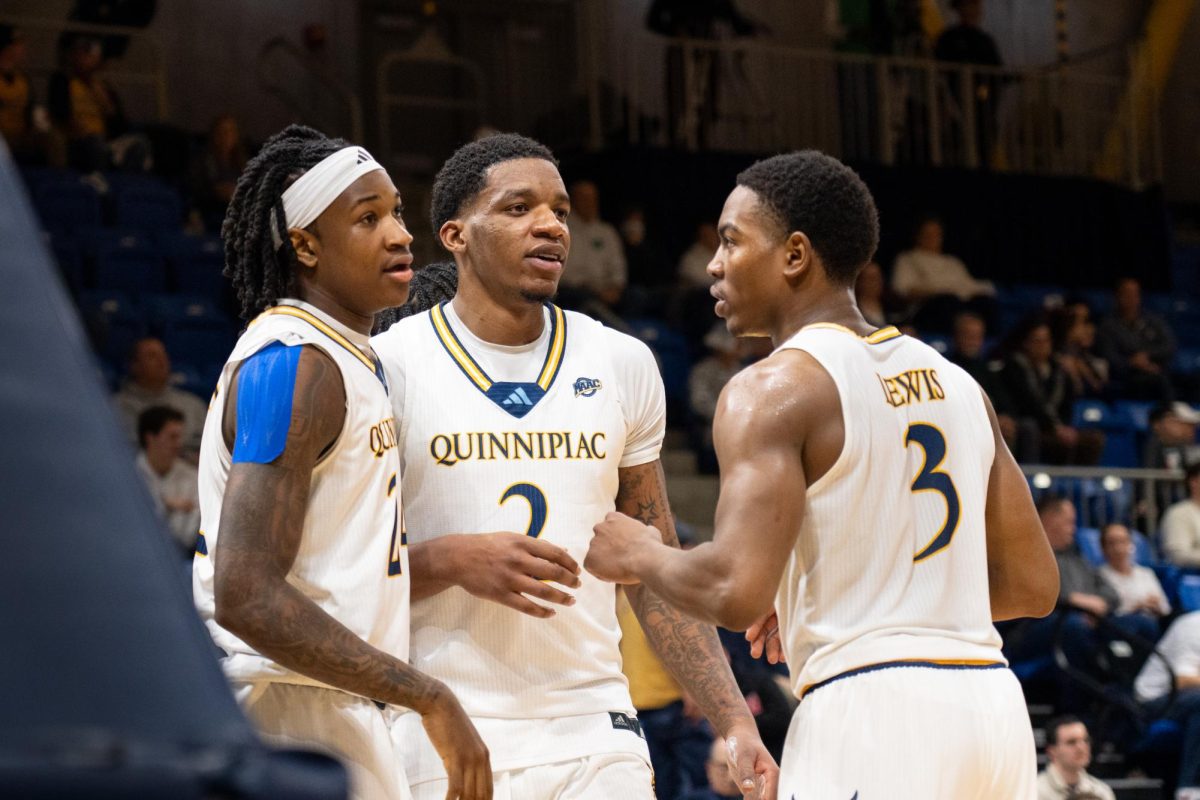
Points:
[(266, 382), (896, 665)]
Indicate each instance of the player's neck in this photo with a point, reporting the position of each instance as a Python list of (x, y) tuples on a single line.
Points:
[(834, 307), (510, 324), (354, 320)]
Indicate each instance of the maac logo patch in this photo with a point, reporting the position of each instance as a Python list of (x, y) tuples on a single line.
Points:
[(587, 386)]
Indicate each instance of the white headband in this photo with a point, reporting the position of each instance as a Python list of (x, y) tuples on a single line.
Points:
[(315, 190)]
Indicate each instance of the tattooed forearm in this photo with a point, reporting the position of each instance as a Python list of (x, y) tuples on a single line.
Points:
[(261, 524), (690, 650)]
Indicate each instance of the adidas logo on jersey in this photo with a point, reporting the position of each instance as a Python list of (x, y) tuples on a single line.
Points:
[(518, 398), (587, 386)]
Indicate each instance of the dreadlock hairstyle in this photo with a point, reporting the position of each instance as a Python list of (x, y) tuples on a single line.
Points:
[(431, 285), (464, 173), (261, 272)]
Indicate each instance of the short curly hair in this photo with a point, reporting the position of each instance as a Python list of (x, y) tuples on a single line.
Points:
[(464, 173), (820, 196)]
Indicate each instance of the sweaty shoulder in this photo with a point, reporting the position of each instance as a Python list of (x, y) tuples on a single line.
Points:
[(787, 399)]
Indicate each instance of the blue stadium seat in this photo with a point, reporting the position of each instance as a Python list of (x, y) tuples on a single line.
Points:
[(130, 264), (1088, 542), (149, 207), (67, 204), (1100, 301), (196, 264), (1093, 414), (1136, 411), (1187, 360), (164, 310), (69, 257), (672, 350), (1189, 593), (199, 341)]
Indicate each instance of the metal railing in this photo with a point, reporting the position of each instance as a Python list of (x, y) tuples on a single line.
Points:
[(281, 62), (1136, 497), (140, 75), (764, 97)]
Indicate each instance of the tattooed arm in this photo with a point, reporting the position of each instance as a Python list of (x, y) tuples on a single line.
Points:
[(690, 650), (262, 520)]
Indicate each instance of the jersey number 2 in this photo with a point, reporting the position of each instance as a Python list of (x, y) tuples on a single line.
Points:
[(537, 505), (930, 478)]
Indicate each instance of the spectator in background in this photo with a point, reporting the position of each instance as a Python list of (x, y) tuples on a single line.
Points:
[(595, 273), (721, 785), (1138, 346), (1172, 441), (1180, 524), (149, 384), (938, 285), (878, 304), (216, 169), (1075, 344), (1068, 753), (1181, 649), (84, 107), (1137, 586), (968, 43), (651, 273), (1041, 392), (693, 264), (705, 382), (967, 351), (172, 482), (17, 103)]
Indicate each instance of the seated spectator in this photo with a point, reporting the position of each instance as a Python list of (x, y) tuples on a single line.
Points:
[(149, 384), (18, 121), (1075, 343), (1081, 589), (966, 350), (1068, 753), (721, 785), (216, 169), (1181, 649), (1181, 524), (1172, 440), (1137, 586), (84, 107), (678, 743), (1041, 392), (878, 304), (938, 284), (595, 272), (693, 264), (1138, 346), (705, 383), (651, 273), (172, 482)]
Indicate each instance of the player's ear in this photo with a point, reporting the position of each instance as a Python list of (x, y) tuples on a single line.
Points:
[(798, 254), (306, 245), (451, 234)]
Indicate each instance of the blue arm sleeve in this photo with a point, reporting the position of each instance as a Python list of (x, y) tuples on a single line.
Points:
[(266, 383)]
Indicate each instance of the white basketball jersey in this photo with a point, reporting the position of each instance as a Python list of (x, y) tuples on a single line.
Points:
[(536, 455), (352, 561), (891, 559)]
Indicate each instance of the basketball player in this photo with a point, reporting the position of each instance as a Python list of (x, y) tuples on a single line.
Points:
[(518, 416), (866, 490), (300, 572)]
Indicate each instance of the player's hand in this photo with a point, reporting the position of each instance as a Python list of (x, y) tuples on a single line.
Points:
[(463, 753), (750, 765), (763, 637), (505, 567), (615, 540)]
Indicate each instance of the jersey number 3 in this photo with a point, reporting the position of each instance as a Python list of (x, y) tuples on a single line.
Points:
[(537, 505), (930, 478)]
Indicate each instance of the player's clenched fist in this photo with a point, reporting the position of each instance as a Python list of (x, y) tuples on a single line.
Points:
[(510, 568), (614, 546), (463, 753)]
